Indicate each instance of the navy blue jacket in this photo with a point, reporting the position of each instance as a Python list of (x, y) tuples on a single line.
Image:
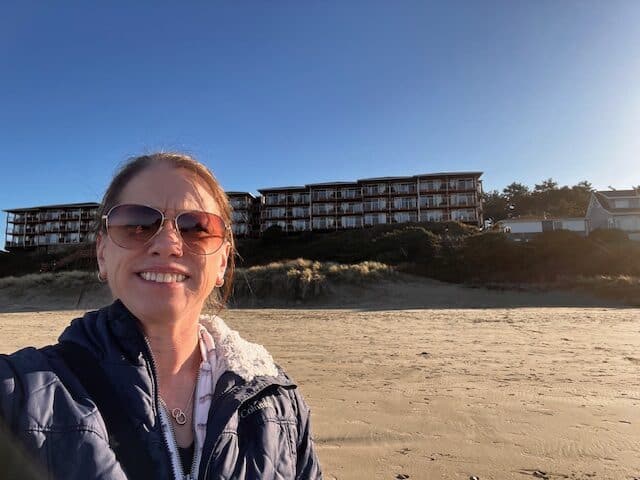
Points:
[(257, 429)]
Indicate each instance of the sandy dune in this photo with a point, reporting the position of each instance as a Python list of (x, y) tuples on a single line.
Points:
[(500, 393)]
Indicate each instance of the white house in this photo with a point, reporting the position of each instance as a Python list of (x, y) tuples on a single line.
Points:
[(615, 209), (524, 229)]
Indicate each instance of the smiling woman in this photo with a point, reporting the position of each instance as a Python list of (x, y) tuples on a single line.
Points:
[(149, 387)]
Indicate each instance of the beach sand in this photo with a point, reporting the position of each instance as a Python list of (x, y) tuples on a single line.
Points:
[(528, 386)]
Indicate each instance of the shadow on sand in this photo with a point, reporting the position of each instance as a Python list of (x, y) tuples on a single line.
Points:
[(406, 294)]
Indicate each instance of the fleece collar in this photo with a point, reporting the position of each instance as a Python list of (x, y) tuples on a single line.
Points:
[(233, 353)]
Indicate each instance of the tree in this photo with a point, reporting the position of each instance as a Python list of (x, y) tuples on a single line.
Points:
[(495, 205), (515, 190), (546, 186)]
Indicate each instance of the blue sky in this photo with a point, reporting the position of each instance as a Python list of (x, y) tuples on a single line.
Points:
[(281, 93)]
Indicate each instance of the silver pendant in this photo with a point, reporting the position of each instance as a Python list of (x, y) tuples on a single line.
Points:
[(179, 416)]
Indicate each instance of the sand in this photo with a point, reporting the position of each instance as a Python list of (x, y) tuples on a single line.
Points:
[(508, 391)]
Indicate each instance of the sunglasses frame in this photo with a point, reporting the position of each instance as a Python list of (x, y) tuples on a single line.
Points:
[(164, 218)]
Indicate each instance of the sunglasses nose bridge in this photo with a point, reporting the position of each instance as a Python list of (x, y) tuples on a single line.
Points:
[(174, 227)]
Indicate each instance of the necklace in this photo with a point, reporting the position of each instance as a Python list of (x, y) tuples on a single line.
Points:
[(177, 413)]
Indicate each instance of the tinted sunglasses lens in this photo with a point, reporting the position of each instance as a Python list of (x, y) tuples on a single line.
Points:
[(131, 226), (201, 232)]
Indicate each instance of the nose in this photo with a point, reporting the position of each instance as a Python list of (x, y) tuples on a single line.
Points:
[(167, 241)]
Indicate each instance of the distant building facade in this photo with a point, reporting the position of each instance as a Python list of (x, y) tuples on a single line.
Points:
[(366, 202), (245, 213), (50, 227), (524, 229), (618, 209), (329, 206)]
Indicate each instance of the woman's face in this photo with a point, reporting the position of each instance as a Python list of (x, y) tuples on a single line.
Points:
[(171, 190)]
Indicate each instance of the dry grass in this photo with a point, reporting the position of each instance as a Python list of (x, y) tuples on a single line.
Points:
[(302, 279), (61, 280)]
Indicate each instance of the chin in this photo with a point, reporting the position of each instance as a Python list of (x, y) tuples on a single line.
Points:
[(157, 309)]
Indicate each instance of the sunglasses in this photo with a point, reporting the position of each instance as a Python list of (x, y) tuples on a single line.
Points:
[(133, 226)]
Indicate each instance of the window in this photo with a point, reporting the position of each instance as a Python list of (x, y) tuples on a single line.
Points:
[(375, 218), (349, 193), (463, 215), (323, 194), (300, 212), (375, 204), (300, 225), (462, 199), (432, 185), (403, 188), (404, 203), (275, 198), (322, 223), (375, 189), (351, 207), (350, 222), (239, 203), (433, 216), (323, 208), (299, 198), (239, 229), (403, 217), (276, 212), (239, 216)]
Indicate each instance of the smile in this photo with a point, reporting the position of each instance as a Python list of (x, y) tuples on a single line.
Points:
[(162, 277)]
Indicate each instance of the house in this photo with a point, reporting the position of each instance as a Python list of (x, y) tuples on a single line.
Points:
[(524, 229), (618, 209)]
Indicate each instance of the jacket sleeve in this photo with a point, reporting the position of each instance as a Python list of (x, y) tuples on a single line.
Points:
[(8, 393), (13, 458), (308, 466)]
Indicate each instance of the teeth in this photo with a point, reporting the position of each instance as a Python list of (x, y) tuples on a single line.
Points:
[(163, 277)]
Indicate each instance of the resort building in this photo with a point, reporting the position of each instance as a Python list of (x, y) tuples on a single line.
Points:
[(437, 197), (434, 197), (50, 227)]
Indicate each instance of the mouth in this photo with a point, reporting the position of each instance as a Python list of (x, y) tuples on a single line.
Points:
[(162, 277)]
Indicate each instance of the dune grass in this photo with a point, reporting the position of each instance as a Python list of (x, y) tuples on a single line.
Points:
[(289, 280), (302, 279), (61, 280)]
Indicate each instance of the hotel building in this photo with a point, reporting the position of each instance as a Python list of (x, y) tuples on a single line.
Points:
[(437, 197), (50, 227)]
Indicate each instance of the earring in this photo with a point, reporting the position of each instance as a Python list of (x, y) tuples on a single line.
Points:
[(101, 279), (220, 282)]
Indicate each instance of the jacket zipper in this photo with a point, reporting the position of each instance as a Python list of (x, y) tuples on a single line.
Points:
[(178, 471), (156, 402)]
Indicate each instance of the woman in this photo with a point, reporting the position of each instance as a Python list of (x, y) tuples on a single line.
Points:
[(148, 387)]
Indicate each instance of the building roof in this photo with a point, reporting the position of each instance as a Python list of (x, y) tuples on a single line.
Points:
[(618, 193), (281, 189), (333, 184), (450, 174), (605, 197), (240, 194), (53, 207)]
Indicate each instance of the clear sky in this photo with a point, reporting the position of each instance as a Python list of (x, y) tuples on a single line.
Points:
[(289, 92)]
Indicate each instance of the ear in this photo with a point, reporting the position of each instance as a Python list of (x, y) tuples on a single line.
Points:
[(100, 248), (224, 259)]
